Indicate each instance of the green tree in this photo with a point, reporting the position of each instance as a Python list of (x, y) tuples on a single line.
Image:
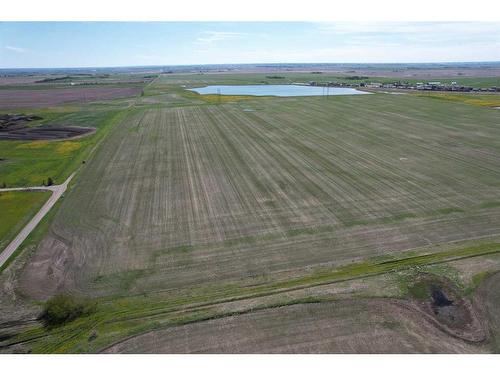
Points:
[(64, 308)]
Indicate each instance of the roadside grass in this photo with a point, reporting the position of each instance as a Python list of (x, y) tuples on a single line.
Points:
[(16, 210), (29, 245)]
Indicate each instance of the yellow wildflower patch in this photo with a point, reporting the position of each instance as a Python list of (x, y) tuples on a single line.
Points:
[(65, 148), (33, 145), (491, 100)]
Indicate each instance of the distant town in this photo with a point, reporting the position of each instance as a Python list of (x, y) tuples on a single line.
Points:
[(405, 85)]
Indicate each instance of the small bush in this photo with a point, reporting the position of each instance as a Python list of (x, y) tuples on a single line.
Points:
[(64, 308), (420, 290)]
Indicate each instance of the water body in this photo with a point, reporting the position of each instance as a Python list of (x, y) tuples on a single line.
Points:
[(276, 90)]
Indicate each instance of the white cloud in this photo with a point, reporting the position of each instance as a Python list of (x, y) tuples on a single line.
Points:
[(356, 54), (343, 28), (210, 37), (15, 49), (431, 33)]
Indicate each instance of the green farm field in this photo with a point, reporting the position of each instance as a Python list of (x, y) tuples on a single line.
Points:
[(195, 213)]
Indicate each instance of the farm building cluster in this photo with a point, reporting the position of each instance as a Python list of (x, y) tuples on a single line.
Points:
[(425, 86)]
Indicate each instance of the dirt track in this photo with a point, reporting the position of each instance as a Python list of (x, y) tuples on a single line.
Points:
[(57, 192)]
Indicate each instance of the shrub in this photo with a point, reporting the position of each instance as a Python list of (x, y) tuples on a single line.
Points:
[(64, 308), (420, 290)]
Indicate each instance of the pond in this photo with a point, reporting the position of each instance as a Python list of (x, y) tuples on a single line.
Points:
[(276, 90)]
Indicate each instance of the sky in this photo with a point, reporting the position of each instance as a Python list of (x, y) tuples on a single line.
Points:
[(108, 44)]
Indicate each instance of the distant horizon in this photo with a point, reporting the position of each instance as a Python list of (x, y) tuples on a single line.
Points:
[(50, 45), (255, 64)]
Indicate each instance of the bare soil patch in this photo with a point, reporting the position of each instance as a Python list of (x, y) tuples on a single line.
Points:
[(16, 127), (488, 299), (52, 97)]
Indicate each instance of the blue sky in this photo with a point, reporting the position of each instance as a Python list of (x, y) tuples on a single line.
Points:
[(95, 44)]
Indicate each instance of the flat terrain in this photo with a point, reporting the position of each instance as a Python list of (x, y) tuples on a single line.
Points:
[(350, 77), (197, 219), (183, 196), (29, 163), (361, 326), (38, 98)]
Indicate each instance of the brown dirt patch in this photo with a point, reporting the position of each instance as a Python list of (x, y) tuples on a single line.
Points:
[(16, 127), (46, 133)]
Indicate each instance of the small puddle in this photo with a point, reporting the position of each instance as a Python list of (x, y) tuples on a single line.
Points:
[(439, 299)]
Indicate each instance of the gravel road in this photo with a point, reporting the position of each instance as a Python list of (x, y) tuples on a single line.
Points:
[(57, 192)]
